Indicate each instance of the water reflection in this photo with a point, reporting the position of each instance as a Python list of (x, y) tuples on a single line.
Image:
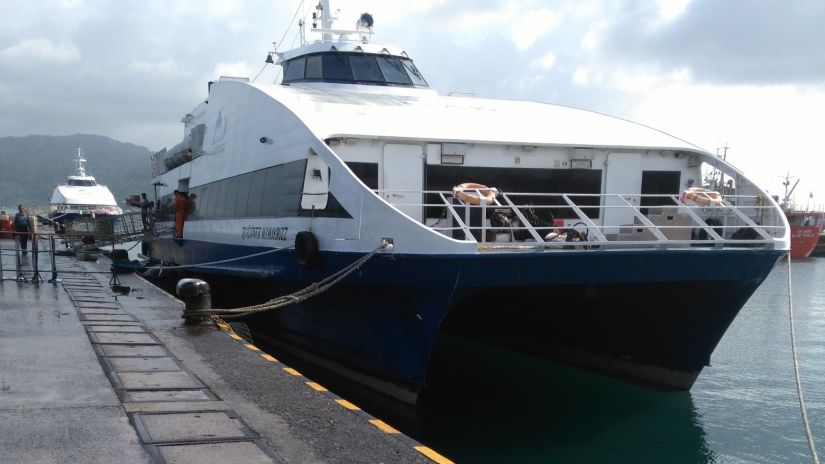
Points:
[(492, 405)]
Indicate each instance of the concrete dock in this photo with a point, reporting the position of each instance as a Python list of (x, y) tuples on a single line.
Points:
[(88, 375)]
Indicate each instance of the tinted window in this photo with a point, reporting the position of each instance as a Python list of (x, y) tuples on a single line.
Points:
[(313, 70), (514, 180), (242, 197), (393, 70), (294, 70), (336, 67), (416, 76), (367, 172), (256, 190), (365, 68)]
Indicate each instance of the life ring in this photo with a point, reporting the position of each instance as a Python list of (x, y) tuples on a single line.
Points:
[(306, 249), (701, 196), (475, 193)]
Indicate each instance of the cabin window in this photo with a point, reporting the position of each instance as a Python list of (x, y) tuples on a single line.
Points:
[(314, 67), (516, 180), (367, 172), (393, 71), (365, 68), (659, 183), (336, 67), (413, 72), (81, 183), (243, 196), (354, 68), (256, 190), (294, 69)]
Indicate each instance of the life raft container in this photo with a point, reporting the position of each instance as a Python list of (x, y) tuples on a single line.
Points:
[(474, 193), (701, 196)]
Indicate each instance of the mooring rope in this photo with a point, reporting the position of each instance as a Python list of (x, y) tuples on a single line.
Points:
[(799, 395), (306, 293), (223, 261)]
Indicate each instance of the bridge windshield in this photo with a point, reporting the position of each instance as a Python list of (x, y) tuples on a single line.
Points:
[(82, 182), (353, 68)]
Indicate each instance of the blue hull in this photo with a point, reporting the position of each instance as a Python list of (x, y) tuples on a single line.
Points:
[(655, 315)]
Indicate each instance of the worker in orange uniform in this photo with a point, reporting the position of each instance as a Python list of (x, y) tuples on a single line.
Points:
[(181, 204)]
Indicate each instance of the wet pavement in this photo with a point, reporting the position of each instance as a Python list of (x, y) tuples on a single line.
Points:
[(91, 376)]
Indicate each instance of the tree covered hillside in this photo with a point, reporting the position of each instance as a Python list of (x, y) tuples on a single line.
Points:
[(31, 166)]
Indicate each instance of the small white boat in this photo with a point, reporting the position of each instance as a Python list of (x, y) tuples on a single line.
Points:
[(81, 195)]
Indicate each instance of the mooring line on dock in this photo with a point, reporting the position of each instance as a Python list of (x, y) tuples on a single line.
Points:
[(161, 268), (316, 288), (799, 395)]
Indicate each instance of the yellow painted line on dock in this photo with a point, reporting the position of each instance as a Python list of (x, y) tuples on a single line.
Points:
[(251, 347), (291, 371), (223, 326), (383, 426), (433, 455), (268, 357), (236, 336), (317, 386), (348, 405)]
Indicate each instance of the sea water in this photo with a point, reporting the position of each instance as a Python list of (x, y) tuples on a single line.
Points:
[(489, 405)]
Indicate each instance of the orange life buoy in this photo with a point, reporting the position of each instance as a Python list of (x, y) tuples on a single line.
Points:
[(475, 193), (701, 196)]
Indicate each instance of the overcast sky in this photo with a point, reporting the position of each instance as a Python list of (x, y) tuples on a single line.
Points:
[(749, 73)]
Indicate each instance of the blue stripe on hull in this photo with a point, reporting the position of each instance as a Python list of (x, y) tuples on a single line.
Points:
[(653, 307)]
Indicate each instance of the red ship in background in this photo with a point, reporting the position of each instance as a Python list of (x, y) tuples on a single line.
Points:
[(806, 224)]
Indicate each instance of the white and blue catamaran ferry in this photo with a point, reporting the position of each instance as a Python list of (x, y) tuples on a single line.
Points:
[(582, 236)]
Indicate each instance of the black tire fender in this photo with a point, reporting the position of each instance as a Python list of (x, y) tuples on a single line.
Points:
[(306, 249)]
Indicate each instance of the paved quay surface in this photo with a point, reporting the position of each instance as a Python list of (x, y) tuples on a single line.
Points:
[(90, 376)]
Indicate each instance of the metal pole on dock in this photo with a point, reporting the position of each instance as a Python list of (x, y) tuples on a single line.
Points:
[(36, 279), (19, 265), (54, 278)]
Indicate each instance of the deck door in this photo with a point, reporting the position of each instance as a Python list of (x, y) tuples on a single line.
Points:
[(402, 170), (624, 176)]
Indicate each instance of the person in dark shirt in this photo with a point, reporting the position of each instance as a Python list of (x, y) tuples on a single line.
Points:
[(144, 211), (22, 228)]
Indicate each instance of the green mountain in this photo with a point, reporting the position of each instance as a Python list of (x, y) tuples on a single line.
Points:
[(31, 166)]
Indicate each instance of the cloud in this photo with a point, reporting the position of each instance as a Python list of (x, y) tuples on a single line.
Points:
[(167, 67), (545, 62), (40, 49), (725, 41)]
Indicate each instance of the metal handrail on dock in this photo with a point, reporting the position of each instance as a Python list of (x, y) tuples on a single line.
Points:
[(86, 232), (574, 221)]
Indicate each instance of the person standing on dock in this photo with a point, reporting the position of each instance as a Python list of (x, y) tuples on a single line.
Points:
[(181, 204), (144, 211), (22, 228)]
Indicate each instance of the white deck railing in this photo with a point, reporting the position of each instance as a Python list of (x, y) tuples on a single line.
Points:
[(739, 221)]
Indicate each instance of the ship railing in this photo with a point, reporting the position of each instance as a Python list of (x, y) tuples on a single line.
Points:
[(597, 221)]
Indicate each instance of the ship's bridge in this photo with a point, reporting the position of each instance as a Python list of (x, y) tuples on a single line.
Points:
[(351, 62)]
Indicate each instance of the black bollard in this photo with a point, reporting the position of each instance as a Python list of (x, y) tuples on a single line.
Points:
[(197, 296)]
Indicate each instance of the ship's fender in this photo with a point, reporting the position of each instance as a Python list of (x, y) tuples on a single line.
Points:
[(306, 249)]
